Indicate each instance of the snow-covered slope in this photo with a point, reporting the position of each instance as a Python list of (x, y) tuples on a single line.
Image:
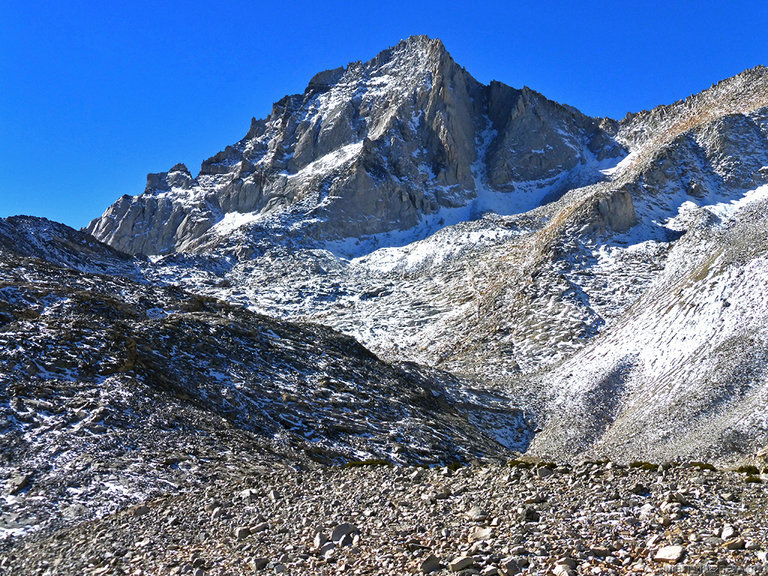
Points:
[(508, 297), (112, 391), (682, 371), (61, 245)]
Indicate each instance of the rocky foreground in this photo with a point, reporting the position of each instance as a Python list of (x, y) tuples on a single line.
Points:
[(520, 518)]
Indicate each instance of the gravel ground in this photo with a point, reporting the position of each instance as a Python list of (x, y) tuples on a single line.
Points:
[(522, 517)]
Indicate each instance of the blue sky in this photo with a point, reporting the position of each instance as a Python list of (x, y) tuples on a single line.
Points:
[(93, 95)]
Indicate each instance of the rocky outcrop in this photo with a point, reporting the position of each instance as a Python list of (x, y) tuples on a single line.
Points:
[(369, 148), (40, 238), (539, 139)]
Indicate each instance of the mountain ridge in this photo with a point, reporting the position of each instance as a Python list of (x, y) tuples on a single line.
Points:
[(386, 144)]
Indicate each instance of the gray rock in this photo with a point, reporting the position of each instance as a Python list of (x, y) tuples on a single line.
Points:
[(529, 514), (326, 550), (544, 471), (728, 532), (140, 510), (476, 514), (461, 563), (509, 566), (479, 533), (563, 570), (566, 561), (669, 554), (345, 540), (319, 540), (343, 530), (430, 564), (18, 482), (386, 156), (735, 544)]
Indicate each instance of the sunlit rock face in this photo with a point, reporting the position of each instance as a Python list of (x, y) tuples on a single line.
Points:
[(370, 148)]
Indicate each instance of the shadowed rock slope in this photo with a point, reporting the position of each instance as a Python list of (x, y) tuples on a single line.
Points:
[(113, 390)]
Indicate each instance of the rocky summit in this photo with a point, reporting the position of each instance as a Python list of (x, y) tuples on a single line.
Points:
[(409, 324), (374, 147)]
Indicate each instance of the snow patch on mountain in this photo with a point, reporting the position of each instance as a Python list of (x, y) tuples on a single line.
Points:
[(729, 210)]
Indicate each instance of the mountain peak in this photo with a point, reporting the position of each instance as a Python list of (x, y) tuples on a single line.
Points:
[(416, 51), (371, 148), (420, 51), (422, 43)]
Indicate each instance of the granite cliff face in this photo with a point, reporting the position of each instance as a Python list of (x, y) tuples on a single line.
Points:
[(371, 148)]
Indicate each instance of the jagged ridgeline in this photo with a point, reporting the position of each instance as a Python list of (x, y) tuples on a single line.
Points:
[(371, 148)]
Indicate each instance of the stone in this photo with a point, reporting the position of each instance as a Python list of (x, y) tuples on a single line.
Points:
[(140, 510), (258, 563), (242, 532), (342, 530), (479, 533), (443, 493), (646, 511), (461, 563), (534, 499), (509, 567), (599, 551), (319, 540), (735, 544), (476, 514), (326, 550), (653, 540), (563, 570), (544, 472), (430, 564), (19, 482), (728, 532), (669, 554), (246, 494), (345, 540), (529, 514)]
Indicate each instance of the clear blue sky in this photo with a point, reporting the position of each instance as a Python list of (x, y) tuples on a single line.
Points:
[(93, 95)]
